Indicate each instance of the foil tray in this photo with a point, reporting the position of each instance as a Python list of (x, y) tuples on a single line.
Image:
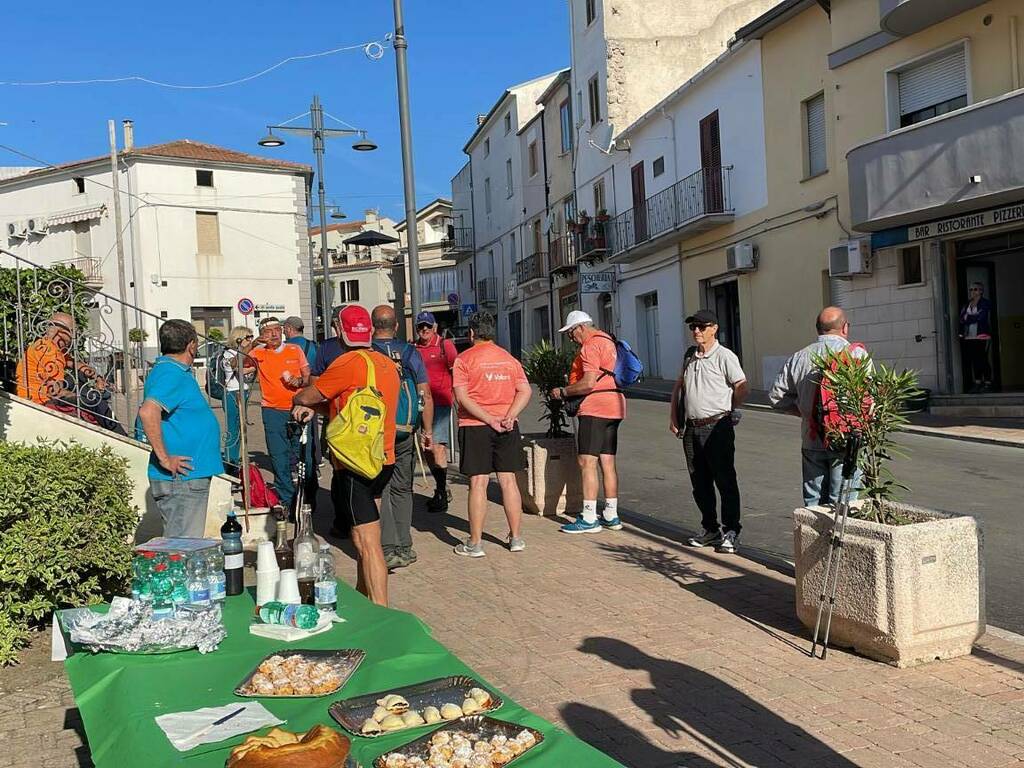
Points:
[(344, 660), (476, 728)]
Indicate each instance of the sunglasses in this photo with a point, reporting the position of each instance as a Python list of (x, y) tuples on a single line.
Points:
[(699, 326)]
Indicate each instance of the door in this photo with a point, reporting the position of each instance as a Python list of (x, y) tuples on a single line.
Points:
[(969, 273), (711, 163), (639, 203), (515, 333), (724, 300), (647, 322)]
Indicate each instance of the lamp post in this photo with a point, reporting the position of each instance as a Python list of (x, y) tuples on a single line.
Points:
[(402, 69), (319, 133)]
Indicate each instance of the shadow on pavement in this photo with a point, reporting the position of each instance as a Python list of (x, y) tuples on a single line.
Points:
[(685, 702), (73, 722)]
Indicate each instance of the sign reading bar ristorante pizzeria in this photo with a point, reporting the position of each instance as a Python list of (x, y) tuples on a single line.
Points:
[(967, 222)]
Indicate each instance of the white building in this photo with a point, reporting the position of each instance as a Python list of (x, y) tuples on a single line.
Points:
[(204, 226), (435, 238), (463, 245)]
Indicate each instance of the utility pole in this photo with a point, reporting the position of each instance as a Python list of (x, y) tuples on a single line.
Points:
[(316, 116), (402, 66), (126, 366)]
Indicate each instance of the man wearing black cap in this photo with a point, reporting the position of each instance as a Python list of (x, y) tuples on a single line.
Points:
[(712, 385)]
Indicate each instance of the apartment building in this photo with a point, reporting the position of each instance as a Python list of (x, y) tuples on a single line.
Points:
[(439, 287), (463, 240)]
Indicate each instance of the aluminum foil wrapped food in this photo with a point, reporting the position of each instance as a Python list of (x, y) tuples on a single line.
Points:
[(129, 627)]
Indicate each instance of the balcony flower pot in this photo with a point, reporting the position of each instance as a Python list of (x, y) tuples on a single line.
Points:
[(906, 594)]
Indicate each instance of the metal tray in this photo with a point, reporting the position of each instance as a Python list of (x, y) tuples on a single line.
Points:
[(352, 713), (348, 659), (476, 727)]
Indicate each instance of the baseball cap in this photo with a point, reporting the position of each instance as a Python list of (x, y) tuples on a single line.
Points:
[(425, 318), (294, 322), (574, 318), (356, 329), (703, 317)]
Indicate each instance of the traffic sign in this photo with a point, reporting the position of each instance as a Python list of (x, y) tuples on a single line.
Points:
[(453, 299), (468, 309), (245, 306)]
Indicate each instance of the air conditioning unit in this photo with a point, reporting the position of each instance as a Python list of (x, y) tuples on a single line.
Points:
[(37, 225), (17, 230), (850, 258), (741, 257)]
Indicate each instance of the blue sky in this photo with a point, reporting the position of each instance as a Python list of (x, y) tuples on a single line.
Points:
[(462, 54)]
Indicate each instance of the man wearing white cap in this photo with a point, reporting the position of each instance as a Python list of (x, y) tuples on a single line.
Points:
[(601, 411)]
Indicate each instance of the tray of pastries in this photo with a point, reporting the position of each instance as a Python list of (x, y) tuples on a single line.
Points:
[(429, 703), (472, 742), (319, 747), (301, 673)]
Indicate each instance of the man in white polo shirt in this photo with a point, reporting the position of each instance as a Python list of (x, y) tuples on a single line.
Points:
[(713, 385)]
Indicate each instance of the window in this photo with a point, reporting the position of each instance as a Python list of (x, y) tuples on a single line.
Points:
[(599, 202), (536, 230), (206, 319), (352, 290), (908, 261), (487, 195), (569, 209), (930, 87), (79, 183), (508, 178), (816, 159), (83, 239), (487, 147), (591, 11), (207, 233), (204, 178), (512, 247), (565, 121), (658, 166), (531, 153), (594, 96), (508, 122)]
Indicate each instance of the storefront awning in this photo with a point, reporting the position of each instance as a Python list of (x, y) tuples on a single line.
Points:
[(78, 214)]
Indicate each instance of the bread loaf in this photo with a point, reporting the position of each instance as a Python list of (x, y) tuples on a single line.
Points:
[(320, 747)]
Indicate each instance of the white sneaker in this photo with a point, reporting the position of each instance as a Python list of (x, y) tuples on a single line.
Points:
[(515, 544), (470, 550), (728, 543)]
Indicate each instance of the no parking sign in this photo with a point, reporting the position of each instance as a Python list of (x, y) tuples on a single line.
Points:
[(245, 306)]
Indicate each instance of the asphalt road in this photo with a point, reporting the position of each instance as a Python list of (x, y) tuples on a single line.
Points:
[(970, 478)]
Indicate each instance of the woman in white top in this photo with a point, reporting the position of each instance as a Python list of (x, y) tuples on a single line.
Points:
[(232, 441)]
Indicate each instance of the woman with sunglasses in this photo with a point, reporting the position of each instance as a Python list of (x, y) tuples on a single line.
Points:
[(976, 337)]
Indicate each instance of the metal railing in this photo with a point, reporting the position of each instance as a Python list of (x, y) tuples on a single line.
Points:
[(592, 239), (459, 239), (90, 267), (563, 253), (533, 267), (487, 290), (702, 193)]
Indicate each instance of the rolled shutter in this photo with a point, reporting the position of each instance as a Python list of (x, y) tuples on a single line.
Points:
[(933, 82), (817, 160), (207, 233)]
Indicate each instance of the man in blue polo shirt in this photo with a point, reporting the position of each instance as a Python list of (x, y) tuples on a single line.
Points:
[(183, 432)]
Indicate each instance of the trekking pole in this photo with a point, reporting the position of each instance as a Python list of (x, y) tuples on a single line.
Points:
[(835, 544)]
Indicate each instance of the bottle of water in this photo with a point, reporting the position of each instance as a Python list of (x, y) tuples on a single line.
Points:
[(215, 574), (301, 616), (179, 579), (142, 574), (163, 606), (326, 588), (198, 581), (233, 559)]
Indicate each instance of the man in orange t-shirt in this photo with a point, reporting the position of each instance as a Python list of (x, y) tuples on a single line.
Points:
[(353, 495), (491, 390), (283, 370), (602, 410)]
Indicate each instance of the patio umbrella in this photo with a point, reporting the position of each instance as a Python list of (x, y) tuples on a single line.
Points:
[(371, 238)]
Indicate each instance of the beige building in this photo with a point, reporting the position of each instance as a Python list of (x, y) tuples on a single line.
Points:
[(435, 238)]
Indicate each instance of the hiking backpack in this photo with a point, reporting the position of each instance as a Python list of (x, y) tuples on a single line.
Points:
[(830, 423), (215, 376), (407, 415), (356, 434), (628, 367), (260, 495)]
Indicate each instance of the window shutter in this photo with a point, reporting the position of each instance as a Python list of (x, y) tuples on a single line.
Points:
[(207, 233), (816, 158), (933, 82)]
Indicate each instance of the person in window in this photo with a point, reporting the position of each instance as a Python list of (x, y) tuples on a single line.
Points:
[(976, 338)]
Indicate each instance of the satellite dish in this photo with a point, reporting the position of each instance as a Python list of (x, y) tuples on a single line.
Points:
[(602, 138)]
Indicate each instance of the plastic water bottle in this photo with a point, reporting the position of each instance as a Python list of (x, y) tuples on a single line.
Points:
[(142, 574), (301, 616), (198, 582), (232, 581), (163, 606), (179, 579), (326, 588), (215, 574)]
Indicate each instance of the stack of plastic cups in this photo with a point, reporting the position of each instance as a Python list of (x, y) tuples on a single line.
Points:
[(267, 573), (288, 587)]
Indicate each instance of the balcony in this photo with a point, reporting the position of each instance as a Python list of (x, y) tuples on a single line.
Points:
[(963, 161), (692, 205), (563, 255), (533, 267), (458, 241), (592, 241), (487, 290), (905, 17), (90, 267)]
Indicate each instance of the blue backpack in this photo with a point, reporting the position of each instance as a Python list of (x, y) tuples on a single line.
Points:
[(407, 416), (628, 367)]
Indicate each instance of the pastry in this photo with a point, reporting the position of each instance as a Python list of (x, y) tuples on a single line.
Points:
[(379, 714), (470, 707), (432, 715), (480, 696), (451, 711), (412, 718), (392, 723), (371, 728), (394, 704), (319, 747)]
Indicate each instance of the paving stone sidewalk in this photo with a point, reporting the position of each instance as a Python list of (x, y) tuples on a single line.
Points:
[(658, 654)]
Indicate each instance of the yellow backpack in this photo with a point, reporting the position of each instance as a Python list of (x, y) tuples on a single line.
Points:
[(356, 434)]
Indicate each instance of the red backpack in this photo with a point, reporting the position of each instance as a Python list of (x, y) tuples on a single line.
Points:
[(259, 494), (830, 421)]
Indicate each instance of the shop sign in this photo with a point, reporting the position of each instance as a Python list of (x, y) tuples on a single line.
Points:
[(966, 223), (270, 307), (597, 282)]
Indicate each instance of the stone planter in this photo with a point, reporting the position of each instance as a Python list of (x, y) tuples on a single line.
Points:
[(906, 594), (551, 483)]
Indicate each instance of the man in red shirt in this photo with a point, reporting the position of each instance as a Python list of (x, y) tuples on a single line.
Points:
[(439, 358), (602, 410), (491, 390)]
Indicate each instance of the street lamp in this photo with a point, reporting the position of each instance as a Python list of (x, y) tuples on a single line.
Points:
[(319, 133)]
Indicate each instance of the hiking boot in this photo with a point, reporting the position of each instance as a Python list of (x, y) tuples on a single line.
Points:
[(612, 525), (394, 560), (579, 525), (728, 543), (515, 543), (470, 550), (408, 554), (438, 503), (709, 537)]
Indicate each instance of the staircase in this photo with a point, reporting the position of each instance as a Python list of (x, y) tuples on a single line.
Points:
[(993, 405)]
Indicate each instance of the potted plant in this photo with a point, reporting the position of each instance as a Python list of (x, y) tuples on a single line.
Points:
[(551, 482), (911, 583)]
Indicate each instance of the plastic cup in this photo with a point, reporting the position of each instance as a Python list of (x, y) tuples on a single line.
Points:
[(288, 588), (266, 586), (266, 561)]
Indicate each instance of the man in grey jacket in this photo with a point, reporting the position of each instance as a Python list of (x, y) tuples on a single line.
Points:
[(796, 391)]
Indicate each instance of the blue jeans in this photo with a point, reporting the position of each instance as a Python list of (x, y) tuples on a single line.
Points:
[(823, 474), (182, 505), (284, 455), (232, 439)]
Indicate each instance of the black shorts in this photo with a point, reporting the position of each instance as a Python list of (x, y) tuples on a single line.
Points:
[(482, 451), (597, 436), (354, 497)]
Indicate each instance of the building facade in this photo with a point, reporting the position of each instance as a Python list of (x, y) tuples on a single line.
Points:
[(439, 286)]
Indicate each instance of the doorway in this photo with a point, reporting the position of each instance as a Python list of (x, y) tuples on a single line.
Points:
[(515, 333), (541, 325), (647, 328), (711, 164), (723, 298), (639, 203)]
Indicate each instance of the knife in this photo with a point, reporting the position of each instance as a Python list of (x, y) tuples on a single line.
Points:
[(205, 730)]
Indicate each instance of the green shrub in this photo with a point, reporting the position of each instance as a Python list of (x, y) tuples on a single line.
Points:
[(548, 367), (67, 524)]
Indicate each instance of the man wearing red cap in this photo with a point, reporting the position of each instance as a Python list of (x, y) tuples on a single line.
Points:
[(357, 499)]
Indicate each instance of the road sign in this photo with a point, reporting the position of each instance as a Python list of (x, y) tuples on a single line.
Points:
[(245, 306), (453, 299), (468, 309)]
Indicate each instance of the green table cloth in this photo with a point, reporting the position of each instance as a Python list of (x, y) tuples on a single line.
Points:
[(119, 695)]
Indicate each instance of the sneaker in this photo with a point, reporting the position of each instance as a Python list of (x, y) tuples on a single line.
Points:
[(394, 560), (515, 544), (728, 543), (612, 525), (470, 550), (709, 537), (579, 525), (408, 554)]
